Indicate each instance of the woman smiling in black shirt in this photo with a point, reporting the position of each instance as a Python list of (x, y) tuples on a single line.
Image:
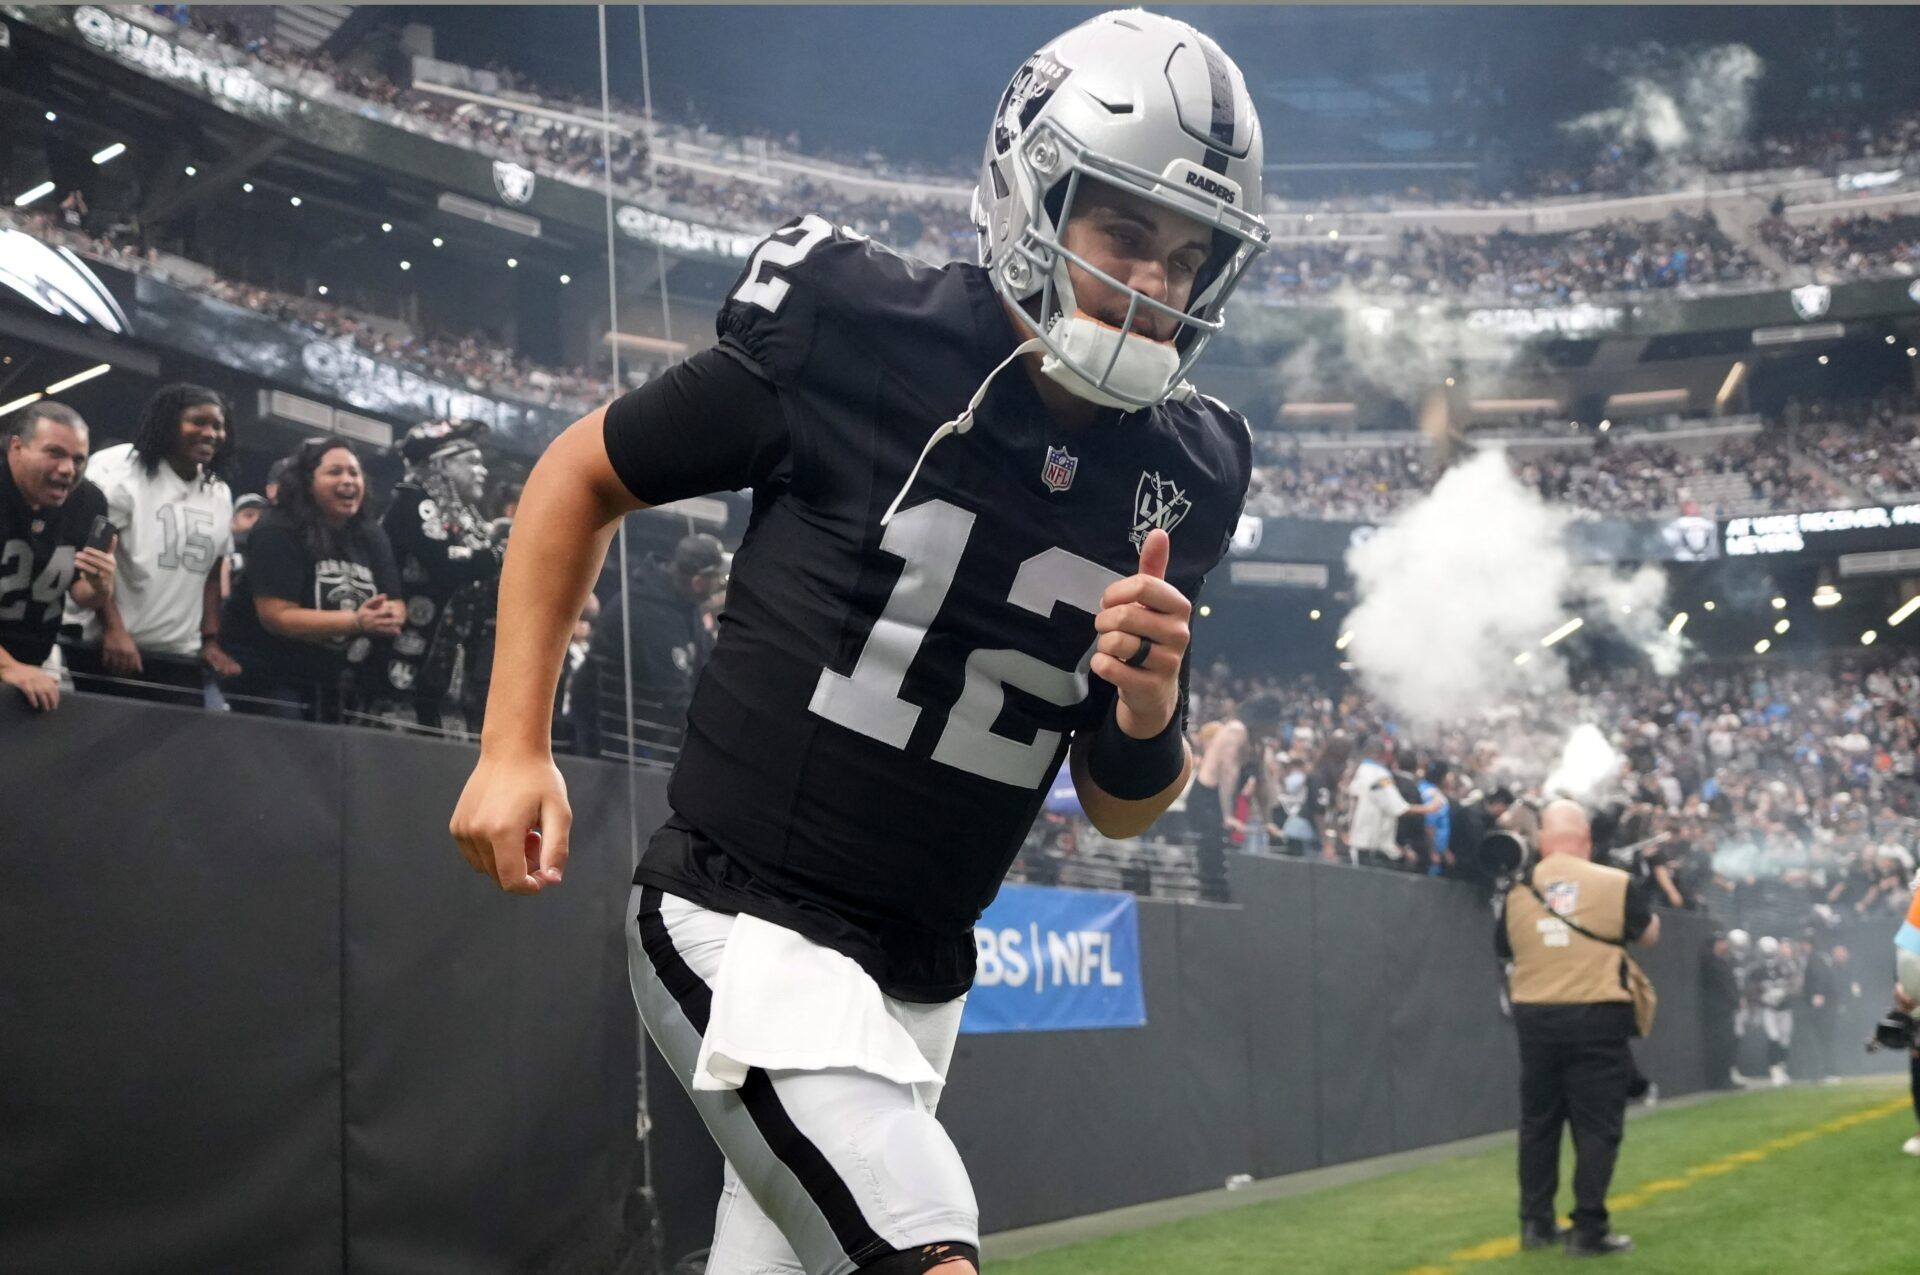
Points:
[(319, 587)]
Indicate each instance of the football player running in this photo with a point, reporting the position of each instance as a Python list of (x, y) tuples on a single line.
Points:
[(952, 578)]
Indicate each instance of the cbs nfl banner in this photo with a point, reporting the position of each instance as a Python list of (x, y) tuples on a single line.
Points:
[(1056, 960)]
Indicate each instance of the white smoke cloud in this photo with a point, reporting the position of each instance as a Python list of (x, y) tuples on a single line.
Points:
[(1452, 589), (1588, 768), (1693, 109), (1401, 350), (1456, 593)]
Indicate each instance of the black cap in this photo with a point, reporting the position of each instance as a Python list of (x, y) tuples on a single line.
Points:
[(430, 437), (698, 554)]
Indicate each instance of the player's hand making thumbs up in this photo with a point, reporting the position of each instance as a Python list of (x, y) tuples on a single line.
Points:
[(1143, 637)]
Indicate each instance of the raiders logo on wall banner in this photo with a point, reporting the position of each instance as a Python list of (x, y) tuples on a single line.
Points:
[(1810, 301), (514, 183)]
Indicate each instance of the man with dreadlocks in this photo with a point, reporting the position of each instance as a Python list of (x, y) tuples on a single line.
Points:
[(167, 494), (450, 567)]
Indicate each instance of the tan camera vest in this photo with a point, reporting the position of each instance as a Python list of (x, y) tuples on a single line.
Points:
[(1553, 964)]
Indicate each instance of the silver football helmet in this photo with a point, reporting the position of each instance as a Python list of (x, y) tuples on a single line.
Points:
[(1147, 104)]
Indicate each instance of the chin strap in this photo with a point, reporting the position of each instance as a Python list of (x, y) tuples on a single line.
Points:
[(958, 425)]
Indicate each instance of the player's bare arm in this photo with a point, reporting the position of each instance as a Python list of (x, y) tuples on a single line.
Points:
[(568, 514)]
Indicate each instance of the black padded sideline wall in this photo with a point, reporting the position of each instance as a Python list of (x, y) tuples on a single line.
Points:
[(258, 1014), (1340, 1013)]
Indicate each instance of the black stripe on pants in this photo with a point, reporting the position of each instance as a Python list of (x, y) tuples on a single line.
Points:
[(802, 1158), (1582, 1083)]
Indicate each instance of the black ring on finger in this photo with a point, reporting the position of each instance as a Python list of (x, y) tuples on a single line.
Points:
[(1139, 658)]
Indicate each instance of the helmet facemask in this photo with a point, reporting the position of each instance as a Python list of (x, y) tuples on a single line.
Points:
[(1109, 366)]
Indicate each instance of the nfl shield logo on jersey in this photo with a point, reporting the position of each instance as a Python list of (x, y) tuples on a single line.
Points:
[(1156, 503), (1057, 473)]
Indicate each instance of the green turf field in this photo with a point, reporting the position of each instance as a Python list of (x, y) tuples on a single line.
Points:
[(1807, 1180)]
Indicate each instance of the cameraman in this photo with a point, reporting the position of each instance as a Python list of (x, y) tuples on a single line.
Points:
[(1574, 1016)]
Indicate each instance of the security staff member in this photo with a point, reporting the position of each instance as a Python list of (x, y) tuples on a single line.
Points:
[(1574, 1016)]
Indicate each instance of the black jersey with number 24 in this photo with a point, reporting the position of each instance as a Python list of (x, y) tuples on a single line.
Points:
[(886, 707)]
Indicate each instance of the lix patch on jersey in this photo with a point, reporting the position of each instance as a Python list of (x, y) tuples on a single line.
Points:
[(1157, 502)]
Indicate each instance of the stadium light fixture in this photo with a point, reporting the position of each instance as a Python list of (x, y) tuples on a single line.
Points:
[(99, 369), (437, 241), (34, 397), (192, 171), (1823, 360), (1314, 614), (323, 289), (295, 201), (1449, 382), (1826, 596), (1783, 626), (108, 154), (513, 263), (1565, 630), (1605, 426), (1205, 611), (247, 187), (1523, 657), (566, 278), (1340, 643), (1869, 638), (1333, 234), (386, 227), (1735, 375), (1890, 340), (38, 192), (1907, 608), (1779, 604), (1677, 623), (1762, 646), (1911, 351), (1707, 605), (51, 117), (406, 265)]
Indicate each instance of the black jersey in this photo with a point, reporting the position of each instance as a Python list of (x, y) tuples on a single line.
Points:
[(37, 548), (885, 707), (450, 568)]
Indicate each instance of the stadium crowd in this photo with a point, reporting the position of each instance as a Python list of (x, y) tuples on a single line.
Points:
[(1776, 798), (471, 361), (1771, 472), (1617, 168), (936, 228), (1849, 247), (1684, 249), (1876, 445)]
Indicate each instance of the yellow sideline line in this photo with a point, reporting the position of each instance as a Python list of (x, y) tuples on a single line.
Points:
[(1508, 1245)]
